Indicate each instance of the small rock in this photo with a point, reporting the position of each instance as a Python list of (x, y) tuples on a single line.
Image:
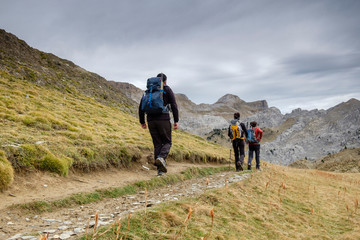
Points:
[(64, 236), (49, 220), (29, 238), (69, 232), (78, 230), (63, 228), (19, 235)]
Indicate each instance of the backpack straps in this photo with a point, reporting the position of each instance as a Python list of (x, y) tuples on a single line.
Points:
[(161, 87)]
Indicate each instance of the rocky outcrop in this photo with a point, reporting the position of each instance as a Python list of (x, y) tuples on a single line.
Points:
[(316, 133), (128, 90), (203, 118)]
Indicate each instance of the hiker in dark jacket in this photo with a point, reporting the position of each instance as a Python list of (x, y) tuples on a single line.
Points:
[(160, 127), (237, 138), (255, 146)]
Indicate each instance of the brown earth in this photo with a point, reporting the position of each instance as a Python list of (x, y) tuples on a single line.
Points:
[(15, 224), (46, 186)]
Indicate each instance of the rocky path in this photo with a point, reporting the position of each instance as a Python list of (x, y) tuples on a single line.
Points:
[(72, 223)]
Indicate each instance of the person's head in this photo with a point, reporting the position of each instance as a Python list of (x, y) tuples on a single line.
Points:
[(236, 115), (163, 76), (253, 124)]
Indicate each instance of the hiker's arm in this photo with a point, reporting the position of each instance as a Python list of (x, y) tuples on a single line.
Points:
[(260, 133), (173, 105), (242, 125), (176, 125), (141, 116)]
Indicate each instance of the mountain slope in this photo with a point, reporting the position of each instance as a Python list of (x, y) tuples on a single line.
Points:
[(19, 60), (347, 160), (52, 118), (316, 133)]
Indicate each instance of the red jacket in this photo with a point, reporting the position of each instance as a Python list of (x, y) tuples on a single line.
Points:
[(258, 135)]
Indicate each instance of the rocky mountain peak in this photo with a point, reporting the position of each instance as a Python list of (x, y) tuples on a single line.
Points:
[(229, 99)]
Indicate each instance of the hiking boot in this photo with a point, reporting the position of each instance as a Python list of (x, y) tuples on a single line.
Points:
[(161, 164), (160, 173), (249, 167), (239, 167)]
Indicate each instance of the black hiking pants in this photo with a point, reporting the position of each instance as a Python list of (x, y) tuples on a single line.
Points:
[(160, 131), (254, 148), (239, 146)]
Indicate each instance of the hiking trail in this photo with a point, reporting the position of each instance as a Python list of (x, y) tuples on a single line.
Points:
[(72, 223)]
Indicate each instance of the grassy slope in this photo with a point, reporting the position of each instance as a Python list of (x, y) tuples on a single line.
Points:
[(348, 160), (277, 203), (72, 129)]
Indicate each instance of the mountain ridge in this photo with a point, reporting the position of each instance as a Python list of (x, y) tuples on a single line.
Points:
[(290, 143), (18, 59)]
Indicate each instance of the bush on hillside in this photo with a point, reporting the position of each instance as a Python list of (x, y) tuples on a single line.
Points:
[(29, 156), (54, 164), (6, 172)]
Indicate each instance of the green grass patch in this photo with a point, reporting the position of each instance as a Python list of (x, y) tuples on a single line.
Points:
[(6, 172), (39, 157)]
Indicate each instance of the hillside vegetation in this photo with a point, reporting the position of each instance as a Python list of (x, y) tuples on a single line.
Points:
[(45, 129), (347, 160), (55, 116), (277, 203)]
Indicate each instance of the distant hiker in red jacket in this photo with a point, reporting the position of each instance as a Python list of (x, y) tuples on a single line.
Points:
[(236, 132), (254, 138)]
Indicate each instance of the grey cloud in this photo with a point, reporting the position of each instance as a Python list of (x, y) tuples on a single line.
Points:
[(287, 52), (318, 63)]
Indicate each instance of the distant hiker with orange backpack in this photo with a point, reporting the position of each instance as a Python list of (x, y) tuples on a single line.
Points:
[(237, 138), (155, 103), (253, 139)]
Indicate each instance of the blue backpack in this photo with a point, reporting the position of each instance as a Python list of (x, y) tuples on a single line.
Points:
[(152, 101), (251, 136)]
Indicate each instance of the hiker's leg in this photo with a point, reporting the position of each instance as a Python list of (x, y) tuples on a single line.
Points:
[(236, 151), (257, 156), (165, 135), (156, 138), (242, 151), (251, 154)]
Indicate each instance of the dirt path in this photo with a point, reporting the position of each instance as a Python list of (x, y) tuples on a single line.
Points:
[(47, 186), (72, 223)]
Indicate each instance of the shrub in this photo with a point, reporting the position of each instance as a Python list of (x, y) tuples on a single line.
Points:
[(87, 153), (28, 121), (53, 164), (39, 157), (6, 172)]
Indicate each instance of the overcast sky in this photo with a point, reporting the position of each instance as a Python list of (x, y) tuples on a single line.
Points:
[(303, 53)]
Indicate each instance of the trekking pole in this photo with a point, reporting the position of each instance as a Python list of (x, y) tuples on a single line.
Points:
[(230, 160)]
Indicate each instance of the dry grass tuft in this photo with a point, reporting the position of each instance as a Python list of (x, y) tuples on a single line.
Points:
[(6, 172)]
